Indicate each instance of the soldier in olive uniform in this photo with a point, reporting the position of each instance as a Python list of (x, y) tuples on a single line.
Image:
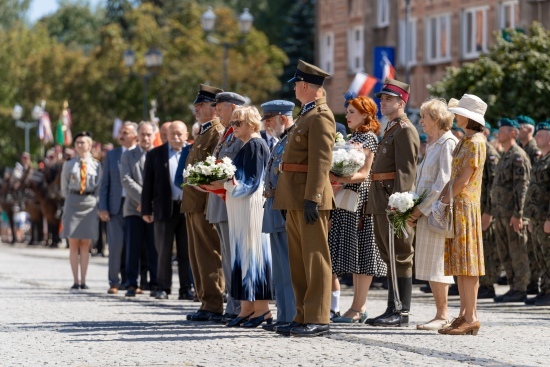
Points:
[(394, 170), (204, 243), (537, 209), (492, 262), (277, 117), (528, 143), (508, 198), (305, 192)]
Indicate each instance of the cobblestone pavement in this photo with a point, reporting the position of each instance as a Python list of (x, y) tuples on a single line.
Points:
[(43, 324)]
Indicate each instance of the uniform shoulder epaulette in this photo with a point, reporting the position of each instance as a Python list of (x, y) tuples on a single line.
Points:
[(405, 123)]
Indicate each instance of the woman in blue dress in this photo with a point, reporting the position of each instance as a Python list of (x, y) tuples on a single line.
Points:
[(250, 249)]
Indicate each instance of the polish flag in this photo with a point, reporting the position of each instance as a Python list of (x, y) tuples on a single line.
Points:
[(389, 70), (362, 85)]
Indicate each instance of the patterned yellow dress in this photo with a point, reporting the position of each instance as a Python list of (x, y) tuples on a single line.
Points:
[(464, 252)]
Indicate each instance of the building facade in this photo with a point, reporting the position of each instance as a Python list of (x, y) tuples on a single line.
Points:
[(439, 34)]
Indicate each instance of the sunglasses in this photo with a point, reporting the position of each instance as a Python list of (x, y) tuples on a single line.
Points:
[(236, 123)]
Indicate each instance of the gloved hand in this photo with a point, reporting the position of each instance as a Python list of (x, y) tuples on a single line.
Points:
[(311, 214), (439, 211)]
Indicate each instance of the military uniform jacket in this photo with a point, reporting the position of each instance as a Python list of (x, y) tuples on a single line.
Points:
[(510, 183), (537, 205), (310, 142), (229, 146), (489, 170), (194, 201), (273, 219), (532, 150), (397, 152)]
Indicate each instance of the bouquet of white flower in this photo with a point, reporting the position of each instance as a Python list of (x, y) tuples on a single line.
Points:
[(210, 170), (347, 159), (401, 207), (339, 139)]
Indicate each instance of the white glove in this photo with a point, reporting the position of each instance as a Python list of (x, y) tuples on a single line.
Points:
[(439, 211)]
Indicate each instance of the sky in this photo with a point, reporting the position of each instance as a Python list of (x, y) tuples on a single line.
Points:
[(40, 8)]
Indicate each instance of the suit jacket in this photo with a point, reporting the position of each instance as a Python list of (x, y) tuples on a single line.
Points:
[(397, 152), (132, 164), (194, 201), (110, 192), (310, 142), (156, 194)]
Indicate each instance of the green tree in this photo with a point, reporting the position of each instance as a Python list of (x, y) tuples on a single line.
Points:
[(513, 77), (12, 11)]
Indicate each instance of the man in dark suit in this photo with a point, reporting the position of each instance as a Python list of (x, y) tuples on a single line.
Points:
[(111, 200), (160, 204), (138, 235)]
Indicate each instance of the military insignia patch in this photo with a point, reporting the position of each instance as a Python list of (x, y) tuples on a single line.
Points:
[(298, 139), (519, 160)]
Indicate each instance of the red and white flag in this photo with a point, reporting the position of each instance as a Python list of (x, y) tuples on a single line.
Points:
[(362, 85), (45, 129), (389, 70)]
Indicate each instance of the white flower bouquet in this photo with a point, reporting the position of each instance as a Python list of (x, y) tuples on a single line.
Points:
[(401, 206), (208, 171), (347, 159), (339, 139)]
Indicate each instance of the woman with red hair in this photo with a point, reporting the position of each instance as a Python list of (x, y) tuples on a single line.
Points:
[(351, 237)]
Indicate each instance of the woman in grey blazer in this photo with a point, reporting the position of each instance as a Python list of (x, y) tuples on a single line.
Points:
[(80, 180)]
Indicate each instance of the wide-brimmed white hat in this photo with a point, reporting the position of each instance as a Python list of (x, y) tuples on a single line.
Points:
[(472, 107)]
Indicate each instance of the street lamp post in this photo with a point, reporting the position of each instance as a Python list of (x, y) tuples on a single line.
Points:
[(153, 60), (17, 113), (208, 20)]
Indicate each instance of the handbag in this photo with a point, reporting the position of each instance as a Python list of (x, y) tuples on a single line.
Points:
[(447, 227), (347, 199)]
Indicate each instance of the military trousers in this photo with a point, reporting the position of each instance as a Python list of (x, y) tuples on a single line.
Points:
[(282, 281), (492, 261), (206, 262), (541, 242), (404, 250), (533, 261), (310, 266), (512, 251), (233, 305)]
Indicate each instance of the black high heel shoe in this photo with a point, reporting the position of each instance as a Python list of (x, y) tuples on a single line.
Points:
[(257, 321), (237, 321)]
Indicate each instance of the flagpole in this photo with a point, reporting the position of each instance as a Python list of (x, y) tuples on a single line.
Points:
[(407, 47)]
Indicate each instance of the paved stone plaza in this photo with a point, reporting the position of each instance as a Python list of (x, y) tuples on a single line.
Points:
[(43, 324)]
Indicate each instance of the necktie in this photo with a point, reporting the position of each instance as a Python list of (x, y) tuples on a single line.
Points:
[(271, 144), (83, 176)]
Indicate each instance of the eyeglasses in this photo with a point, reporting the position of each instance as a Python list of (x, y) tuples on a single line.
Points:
[(236, 123)]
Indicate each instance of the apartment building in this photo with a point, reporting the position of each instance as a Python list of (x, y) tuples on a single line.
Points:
[(353, 34)]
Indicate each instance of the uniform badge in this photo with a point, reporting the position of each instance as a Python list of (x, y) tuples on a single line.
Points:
[(298, 139), (384, 150), (492, 157), (519, 160), (538, 153)]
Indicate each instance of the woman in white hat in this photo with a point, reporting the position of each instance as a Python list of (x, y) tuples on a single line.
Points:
[(464, 252)]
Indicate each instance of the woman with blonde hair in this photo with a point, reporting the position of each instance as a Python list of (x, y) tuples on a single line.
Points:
[(431, 177), (80, 179), (351, 236)]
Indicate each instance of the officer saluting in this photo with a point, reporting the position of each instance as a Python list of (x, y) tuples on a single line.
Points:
[(277, 117), (304, 191), (394, 170)]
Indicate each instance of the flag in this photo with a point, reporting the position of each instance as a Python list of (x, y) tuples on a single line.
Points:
[(45, 129), (116, 128), (361, 85), (59, 133), (66, 122), (389, 70)]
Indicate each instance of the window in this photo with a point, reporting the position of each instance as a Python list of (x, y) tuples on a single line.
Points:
[(438, 37), (509, 15), (383, 13), (355, 49), (474, 32), (407, 34), (326, 52)]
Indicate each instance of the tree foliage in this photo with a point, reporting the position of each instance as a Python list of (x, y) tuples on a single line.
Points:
[(513, 77)]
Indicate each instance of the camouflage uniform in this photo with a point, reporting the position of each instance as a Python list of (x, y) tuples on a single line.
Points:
[(537, 209), (492, 262), (533, 152), (507, 197)]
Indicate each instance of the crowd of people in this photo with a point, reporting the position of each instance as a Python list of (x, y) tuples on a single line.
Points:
[(272, 231)]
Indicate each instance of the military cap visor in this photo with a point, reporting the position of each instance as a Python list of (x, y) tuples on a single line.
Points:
[(83, 133), (229, 97), (207, 94), (309, 73)]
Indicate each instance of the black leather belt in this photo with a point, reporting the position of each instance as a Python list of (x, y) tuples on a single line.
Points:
[(76, 192)]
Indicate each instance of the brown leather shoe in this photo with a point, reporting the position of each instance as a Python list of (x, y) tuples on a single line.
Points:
[(456, 322), (113, 290), (466, 328)]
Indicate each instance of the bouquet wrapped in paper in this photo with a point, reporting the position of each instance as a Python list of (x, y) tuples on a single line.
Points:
[(347, 158), (208, 171), (401, 206)]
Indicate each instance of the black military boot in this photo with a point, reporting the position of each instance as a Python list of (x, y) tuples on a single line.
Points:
[(486, 291), (389, 309), (401, 318)]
